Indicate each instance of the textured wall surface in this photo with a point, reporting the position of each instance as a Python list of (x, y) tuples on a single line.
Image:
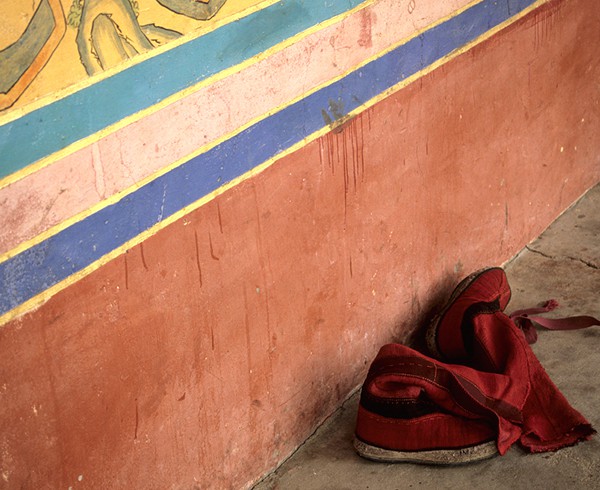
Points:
[(197, 316)]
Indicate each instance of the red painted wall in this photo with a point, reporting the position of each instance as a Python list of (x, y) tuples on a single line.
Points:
[(206, 354)]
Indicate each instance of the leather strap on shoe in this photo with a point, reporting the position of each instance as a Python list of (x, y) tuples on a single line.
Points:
[(524, 320)]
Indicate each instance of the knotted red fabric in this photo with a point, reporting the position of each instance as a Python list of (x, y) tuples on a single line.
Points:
[(480, 382)]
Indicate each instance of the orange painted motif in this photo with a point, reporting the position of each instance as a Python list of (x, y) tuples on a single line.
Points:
[(10, 97)]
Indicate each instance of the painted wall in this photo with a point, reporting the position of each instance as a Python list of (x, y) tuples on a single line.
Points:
[(206, 241)]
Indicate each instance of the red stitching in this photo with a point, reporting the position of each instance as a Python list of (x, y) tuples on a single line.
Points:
[(458, 378)]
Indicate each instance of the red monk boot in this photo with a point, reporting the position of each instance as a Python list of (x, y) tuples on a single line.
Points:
[(484, 390)]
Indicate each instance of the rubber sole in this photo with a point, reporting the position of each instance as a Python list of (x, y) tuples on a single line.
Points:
[(459, 456)]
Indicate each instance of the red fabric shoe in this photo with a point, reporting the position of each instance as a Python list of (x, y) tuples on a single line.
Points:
[(484, 391), (408, 413)]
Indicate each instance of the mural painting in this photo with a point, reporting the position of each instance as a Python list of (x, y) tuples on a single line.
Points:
[(49, 45)]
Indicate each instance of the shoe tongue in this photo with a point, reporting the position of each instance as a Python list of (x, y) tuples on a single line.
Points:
[(492, 342), (487, 292), (476, 317), (457, 343)]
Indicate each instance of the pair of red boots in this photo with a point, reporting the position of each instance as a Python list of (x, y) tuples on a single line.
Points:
[(479, 390)]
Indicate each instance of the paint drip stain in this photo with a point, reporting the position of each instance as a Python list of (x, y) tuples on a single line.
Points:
[(365, 38), (345, 149)]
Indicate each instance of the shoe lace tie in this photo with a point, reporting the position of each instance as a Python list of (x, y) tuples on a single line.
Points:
[(526, 318)]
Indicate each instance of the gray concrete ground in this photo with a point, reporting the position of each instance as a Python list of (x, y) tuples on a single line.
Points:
[(564, 264)]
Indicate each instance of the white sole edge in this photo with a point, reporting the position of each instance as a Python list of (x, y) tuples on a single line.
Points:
[(465, 455)]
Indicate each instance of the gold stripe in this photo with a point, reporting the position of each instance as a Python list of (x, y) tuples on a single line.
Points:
[(89, 140), (450, 56), (48, 293), (203, 149), (39, 299)]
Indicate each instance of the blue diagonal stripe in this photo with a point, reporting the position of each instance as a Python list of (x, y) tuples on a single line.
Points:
[(56, 258)]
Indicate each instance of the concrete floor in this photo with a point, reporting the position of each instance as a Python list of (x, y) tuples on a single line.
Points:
[(564, 264)]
